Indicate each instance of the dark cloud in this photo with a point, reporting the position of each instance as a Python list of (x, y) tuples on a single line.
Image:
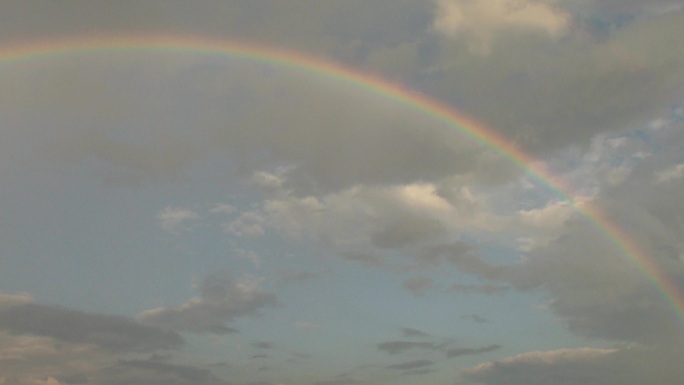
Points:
[(411, 365), (396, 347), (339, 380), (221, 300), (410, 332), (74, 379), (461, 255), (263, 345), (110, 332), (451, 353), (406, 230), (35, 18)]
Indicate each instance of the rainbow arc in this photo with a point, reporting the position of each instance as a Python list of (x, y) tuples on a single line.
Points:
[(450, 117)]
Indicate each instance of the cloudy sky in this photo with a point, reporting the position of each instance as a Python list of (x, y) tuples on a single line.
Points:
[(193, 219)]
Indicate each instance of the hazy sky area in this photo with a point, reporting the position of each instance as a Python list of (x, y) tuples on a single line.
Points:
[(170, 218)]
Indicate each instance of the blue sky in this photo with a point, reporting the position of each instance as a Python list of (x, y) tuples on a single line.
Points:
[(174, 218)]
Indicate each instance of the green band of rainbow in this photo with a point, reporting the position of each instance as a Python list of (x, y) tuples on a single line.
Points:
[(374, 85)]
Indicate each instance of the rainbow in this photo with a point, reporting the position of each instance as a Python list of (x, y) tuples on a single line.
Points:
[(288, 59)]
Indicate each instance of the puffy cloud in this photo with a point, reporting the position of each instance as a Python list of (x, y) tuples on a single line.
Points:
[(546, 223), (381, 218), (482, 20), (525, 91), (248, 224), (115, 333), (534, 367), (221, 300)]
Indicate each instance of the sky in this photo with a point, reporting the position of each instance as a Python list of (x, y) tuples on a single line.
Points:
[(177, 217)]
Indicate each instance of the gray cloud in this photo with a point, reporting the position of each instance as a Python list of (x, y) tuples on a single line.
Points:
[(544, 99), (590, 284), (478, 289), (351, 137), (417, 372), (418, 286), (156, 373), (116, 333), (338, 380), (545, 103), (451, 353), (408, 230), (221, 300), (410, 332), (263, 345), (396, 347)]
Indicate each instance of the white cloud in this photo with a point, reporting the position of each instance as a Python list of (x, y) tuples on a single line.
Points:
[(267, 180), (481, 20), (222, 208), (14, 299), (671, 174), (173, 219), (544, 224), (248, 224), (384, 216), (527, 366)]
